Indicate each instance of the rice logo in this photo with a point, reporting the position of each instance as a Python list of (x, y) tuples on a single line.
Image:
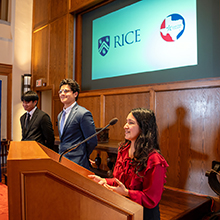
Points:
[(104, 45)]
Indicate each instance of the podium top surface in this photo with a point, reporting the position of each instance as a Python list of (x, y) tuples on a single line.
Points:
[(33, 151), (25, 150)]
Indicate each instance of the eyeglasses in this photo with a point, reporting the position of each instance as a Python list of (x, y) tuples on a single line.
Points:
[(64, 90)]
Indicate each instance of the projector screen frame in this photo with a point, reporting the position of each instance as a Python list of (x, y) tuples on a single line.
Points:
[(78, 59)]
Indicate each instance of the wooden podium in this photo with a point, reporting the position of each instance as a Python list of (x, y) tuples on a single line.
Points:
[(41, 188)]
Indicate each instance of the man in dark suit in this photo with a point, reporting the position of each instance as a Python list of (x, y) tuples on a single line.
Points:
[(75, 123), (35, 124)]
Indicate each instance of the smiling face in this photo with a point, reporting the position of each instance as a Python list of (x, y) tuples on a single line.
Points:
[(28, 106), (67, 97), (132, 129)]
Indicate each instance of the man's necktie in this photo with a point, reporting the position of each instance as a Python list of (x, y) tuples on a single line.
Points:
[(62, 122), (27, 120)]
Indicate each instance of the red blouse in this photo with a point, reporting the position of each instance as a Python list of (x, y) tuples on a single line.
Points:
[(147, 188)]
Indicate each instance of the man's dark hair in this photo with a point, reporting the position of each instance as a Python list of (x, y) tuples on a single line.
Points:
[(29, 96), (74, 86)]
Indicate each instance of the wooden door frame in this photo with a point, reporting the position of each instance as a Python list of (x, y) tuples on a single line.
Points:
[(6, 70)]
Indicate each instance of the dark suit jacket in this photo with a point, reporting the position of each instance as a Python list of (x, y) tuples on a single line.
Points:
[(79, 125), (39, 129)]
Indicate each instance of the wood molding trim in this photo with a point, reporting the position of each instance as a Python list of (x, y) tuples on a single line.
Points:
[(171, 86), (6, 70)]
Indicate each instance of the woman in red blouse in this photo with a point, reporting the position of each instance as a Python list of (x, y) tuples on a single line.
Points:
[(140, 169)]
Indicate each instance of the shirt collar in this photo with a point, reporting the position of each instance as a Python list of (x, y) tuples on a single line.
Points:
[(32, 111), (67, 110)]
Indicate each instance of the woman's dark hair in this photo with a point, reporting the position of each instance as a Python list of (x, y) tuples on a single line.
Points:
[(147, 141), (74, 86)]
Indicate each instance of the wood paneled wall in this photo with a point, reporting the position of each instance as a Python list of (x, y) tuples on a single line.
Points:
[(52, 48), (188, 123), (80, 5), (187, 112)]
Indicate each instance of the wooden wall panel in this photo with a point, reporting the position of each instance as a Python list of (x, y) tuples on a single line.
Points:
[(40, 56), (40, 13), (187, 117), (93, 105), (58, 107), (58, 51), (58, 8), (119, 106), (78, 5), (189, 135)]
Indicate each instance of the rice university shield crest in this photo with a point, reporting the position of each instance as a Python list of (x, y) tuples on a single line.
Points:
[(104, 45)]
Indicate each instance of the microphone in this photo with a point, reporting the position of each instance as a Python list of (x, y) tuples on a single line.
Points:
[(112, 122)]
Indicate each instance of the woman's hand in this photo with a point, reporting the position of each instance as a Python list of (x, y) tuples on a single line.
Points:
[(97, 179), (121, 189)]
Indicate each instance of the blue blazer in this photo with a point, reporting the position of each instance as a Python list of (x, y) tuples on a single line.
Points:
[(79, 125)]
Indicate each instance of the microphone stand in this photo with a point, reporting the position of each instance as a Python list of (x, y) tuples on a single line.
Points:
[(77, 145)]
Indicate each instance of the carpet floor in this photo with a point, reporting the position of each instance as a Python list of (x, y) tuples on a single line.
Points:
[(3, 202)]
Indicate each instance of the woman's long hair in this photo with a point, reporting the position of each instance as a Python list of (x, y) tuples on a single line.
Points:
[(147, 141)]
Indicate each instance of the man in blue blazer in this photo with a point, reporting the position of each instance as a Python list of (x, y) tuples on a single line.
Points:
[(36, 124), (75, 123)]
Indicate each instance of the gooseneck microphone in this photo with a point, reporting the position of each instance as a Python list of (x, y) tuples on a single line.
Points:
[(112, 122)]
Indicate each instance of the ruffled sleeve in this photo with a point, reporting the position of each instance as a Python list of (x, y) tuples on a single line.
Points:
[(121, 167), (153, 181)]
